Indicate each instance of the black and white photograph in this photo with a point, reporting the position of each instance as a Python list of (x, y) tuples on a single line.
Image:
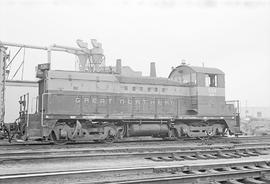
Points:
[(135, 91)]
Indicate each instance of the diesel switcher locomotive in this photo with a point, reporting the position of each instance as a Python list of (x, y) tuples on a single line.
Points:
[(99, 103)]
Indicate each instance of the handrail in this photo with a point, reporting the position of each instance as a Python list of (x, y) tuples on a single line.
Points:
[(42, 110)]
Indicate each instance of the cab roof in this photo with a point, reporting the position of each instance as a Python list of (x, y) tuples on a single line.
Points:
[(199, 69), (206, 70)]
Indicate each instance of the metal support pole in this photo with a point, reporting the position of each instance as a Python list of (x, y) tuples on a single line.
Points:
[(27, 110), (2, 82), (49, 54), (23, 64)]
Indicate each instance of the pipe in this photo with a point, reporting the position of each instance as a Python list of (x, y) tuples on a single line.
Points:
[(118, 66), (49, 54), (68, 48), (52, 48), (49, 49), (153, 69), (22, 45)]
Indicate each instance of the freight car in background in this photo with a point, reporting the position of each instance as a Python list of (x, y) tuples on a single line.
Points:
[(108, 106)]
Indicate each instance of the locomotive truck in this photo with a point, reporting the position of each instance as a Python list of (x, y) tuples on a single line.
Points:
[(100, 103)]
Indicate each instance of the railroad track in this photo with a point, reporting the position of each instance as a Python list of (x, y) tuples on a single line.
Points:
[(157, 163), (156, 154), (4, 143), (230, 172), (137, 141)]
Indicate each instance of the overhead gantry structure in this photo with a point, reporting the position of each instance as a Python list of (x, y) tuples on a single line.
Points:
[(90, 60)]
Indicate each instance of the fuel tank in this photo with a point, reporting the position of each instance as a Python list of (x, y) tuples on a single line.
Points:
[(149, 129)]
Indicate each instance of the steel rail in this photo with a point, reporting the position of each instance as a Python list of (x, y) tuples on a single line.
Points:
[(217, 139), (174, 173), (154, 153), (130, 148), (230, 176)]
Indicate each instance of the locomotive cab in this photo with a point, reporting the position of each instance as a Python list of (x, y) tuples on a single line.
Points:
[(207, 94), (207, 89)]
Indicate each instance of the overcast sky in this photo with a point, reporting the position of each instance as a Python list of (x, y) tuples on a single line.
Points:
[(233, 35)]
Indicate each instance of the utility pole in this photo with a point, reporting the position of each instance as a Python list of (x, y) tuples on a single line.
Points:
[(3, 57), (246, 111)]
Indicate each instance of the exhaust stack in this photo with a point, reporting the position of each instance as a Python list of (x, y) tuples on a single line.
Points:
[(153, 69), (118, 66)]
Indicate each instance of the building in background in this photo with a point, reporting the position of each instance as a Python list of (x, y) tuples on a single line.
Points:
[(15, 89), (255, 112)]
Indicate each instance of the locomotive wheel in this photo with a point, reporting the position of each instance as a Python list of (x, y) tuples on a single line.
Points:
[(219, 130), (182, 130), (121, 132), (172, 135), (111, 134), (110, 139), (60, 134), (57, 141)]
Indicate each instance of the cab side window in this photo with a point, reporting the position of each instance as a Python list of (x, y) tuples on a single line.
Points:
[(185, 77), (210, 80)]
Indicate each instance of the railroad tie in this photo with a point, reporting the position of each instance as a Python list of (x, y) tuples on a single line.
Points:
[(250, 153), (213, 171), (242, 168), (196, 172), (253, 167), (187, 157), (201, 156), (265, 178), (233, 155), (252, 180), (241, 154), (260, 152), (264, 166), (215, 182), (156, 159), (177, 158), (223, 155), (228, 169), (166, 158), (210, 156), (234, 182)]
